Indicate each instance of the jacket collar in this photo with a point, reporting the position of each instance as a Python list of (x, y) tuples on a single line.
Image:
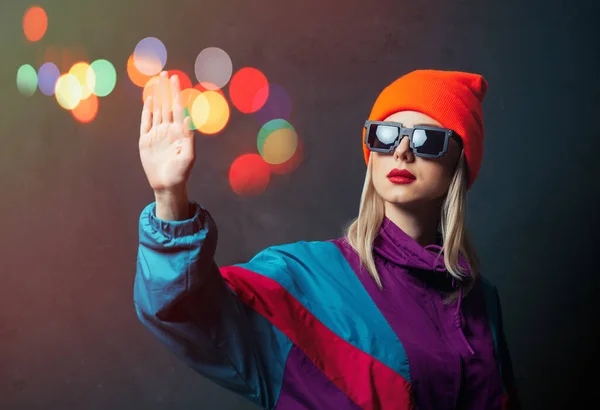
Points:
[(396, 247)]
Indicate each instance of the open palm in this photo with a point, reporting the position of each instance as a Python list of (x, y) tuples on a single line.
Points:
[(166, 141)]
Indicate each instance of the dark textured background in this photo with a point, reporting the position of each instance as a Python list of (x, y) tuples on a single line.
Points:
[(71, 194)]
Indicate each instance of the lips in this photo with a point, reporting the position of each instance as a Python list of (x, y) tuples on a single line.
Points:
[(401, 173)]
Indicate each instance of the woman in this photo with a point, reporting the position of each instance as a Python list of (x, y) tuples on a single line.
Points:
[(392, 316)]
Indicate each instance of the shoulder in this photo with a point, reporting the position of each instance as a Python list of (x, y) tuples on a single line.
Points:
[(492, 305), (312, 253), (306, 270), (489, 291), (297, 260), (486, 284)]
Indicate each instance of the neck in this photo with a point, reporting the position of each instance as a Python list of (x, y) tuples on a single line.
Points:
[(419, 222)]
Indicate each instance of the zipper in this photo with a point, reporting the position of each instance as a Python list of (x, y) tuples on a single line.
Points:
[(450, 348)]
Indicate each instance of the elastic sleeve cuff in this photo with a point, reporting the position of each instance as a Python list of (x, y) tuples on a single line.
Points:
[(174, 229)]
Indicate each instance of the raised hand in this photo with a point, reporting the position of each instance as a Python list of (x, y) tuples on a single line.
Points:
[(166, 141)]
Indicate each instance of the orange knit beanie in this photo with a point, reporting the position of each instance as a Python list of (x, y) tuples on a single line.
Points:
[(453, 98)]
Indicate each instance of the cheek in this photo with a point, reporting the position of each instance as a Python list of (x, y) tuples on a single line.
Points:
[(379, 168), (436, 176), (376, 159)]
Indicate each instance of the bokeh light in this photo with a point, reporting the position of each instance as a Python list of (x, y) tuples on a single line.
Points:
[(150, 56), (27, 80), (213, 68), (247, 90), (149, 88), (184, 79), (202, 88), (277, 141), (35, 23), (86, 79), (218, 112), (135, 75), (292, 164), (68, 91), (87, 109), (48, 75), (199, 111), (188, 96), (105, 77), (249, 175), (278, 104), (70, 56)]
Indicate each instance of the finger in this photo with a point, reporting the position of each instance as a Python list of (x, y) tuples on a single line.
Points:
[(188, 131), (164, 89), (189, 140), (146, 122), (156, 117), (178, 113)]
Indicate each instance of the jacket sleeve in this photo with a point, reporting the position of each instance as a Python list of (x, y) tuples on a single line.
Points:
[(182, 298), (511, 398)]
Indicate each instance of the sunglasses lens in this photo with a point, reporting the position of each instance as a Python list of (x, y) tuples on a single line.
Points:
[(382, 136), (430, 142)]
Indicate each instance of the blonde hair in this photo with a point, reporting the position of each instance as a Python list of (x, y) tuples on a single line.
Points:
[(363, 230)]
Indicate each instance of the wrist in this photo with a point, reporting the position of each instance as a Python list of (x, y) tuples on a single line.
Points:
[(170, 194), (172, 204)]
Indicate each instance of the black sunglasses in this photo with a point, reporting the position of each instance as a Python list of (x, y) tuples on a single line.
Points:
[(425, 141)]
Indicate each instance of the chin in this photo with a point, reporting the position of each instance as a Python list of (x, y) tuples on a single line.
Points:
[(405, 200), (402, 196), (408, 195)]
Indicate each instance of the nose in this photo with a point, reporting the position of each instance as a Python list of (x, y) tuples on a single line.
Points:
[(403, 150)]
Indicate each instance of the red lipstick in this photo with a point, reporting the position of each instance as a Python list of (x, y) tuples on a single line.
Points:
[(400, 176)]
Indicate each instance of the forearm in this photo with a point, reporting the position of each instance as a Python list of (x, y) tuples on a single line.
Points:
[(181, 297)]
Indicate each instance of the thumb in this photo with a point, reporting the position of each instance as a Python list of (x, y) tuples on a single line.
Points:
[(188, 132), (188, 139)]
